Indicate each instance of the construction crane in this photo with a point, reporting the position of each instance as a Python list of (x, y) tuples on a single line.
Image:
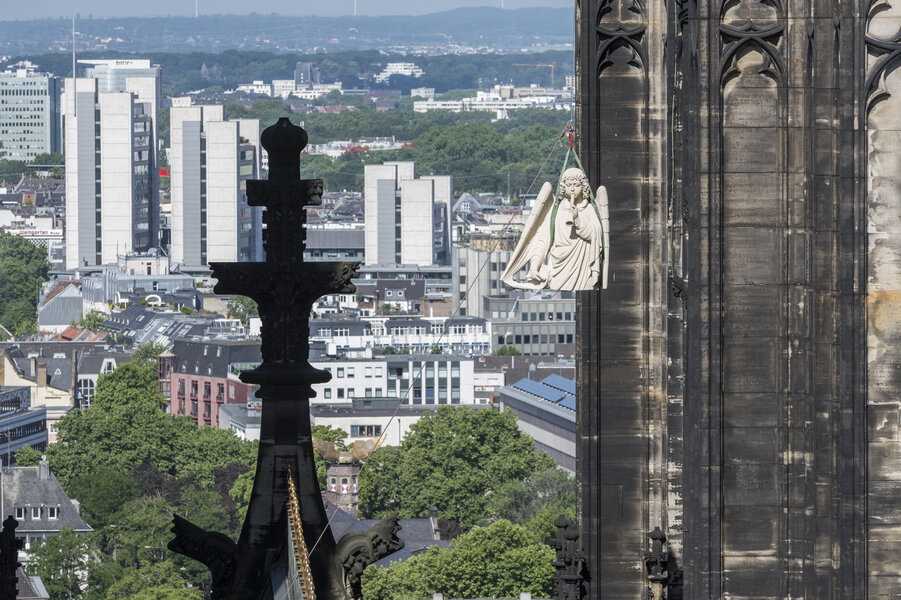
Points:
[(552, 65)]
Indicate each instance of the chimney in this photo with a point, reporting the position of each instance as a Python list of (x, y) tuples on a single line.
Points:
[(42, 374), (34, 366), (433, 517), (44, 470)]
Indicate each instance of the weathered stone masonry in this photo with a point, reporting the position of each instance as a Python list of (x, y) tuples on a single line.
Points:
[(740, 379)]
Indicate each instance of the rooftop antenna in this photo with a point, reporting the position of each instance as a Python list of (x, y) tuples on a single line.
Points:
[(196, 11), (355, 8)]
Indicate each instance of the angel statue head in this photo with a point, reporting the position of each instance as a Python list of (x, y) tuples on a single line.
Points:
[(574, 184)]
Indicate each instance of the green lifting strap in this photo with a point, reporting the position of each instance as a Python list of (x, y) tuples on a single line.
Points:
[(590, 195)]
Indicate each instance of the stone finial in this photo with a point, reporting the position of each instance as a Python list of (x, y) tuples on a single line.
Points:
[(284, 142)]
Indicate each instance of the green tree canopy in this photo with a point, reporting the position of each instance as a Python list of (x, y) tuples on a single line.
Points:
[(26, 456), (124, 427), (498, 561), (61, 563), (24, 267), (147, 352), (506, 351), (102, 491), (156, 581), (242, 307), (455, 459), (92, 320)]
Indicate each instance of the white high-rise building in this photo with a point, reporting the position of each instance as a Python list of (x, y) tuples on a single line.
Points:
[(112, 196), (211, 159), (112, 74), (406, 218), (29, 113)]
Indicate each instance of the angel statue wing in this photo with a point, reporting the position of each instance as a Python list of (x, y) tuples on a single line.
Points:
[(533, 245), (604, 210)]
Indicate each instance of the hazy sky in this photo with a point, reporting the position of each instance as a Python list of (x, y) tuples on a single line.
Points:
[(36, 9)]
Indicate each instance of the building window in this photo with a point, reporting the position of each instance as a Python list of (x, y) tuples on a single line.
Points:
[(327, 393), (35, 512), (342, 332), (20, 514), (340, 392), (378, 371), (367, 372), (340, 372), (350, 371), (86, 391), (365, 430), (52, 512)]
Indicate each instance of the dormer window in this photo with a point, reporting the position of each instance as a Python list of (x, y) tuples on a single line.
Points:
[(20, 514), (52, 512), (35, 512)]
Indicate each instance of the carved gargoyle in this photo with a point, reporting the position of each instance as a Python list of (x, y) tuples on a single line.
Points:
[(216, 550), (359, 549)]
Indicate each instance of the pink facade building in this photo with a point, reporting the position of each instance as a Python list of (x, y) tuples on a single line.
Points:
[(204, 375)]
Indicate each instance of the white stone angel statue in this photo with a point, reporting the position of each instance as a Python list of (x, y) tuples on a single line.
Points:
[(566, 248)]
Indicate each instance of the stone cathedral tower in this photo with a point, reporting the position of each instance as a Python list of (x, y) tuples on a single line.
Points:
[(740, 380)]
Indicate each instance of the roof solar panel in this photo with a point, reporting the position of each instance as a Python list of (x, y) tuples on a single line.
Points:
[(539, 389), (569, 402), (560, 382)]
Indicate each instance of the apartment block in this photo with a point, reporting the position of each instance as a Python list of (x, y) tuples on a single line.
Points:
[(211, 160), (203, 376), (416, 379), (30, 122), (406, 218), (477, 270), (112, 203)]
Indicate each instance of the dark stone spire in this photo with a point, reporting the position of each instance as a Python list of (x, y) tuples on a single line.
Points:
[(285, 289)]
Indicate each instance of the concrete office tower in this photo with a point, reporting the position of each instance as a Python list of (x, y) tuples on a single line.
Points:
[(211, 159), (444, 197), (305, 75), (112, 204), (477, 269), (406, 218), (30, 121), (113, 75)]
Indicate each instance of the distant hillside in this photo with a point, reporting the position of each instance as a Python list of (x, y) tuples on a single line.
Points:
[(185, 72), (464, 30)]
